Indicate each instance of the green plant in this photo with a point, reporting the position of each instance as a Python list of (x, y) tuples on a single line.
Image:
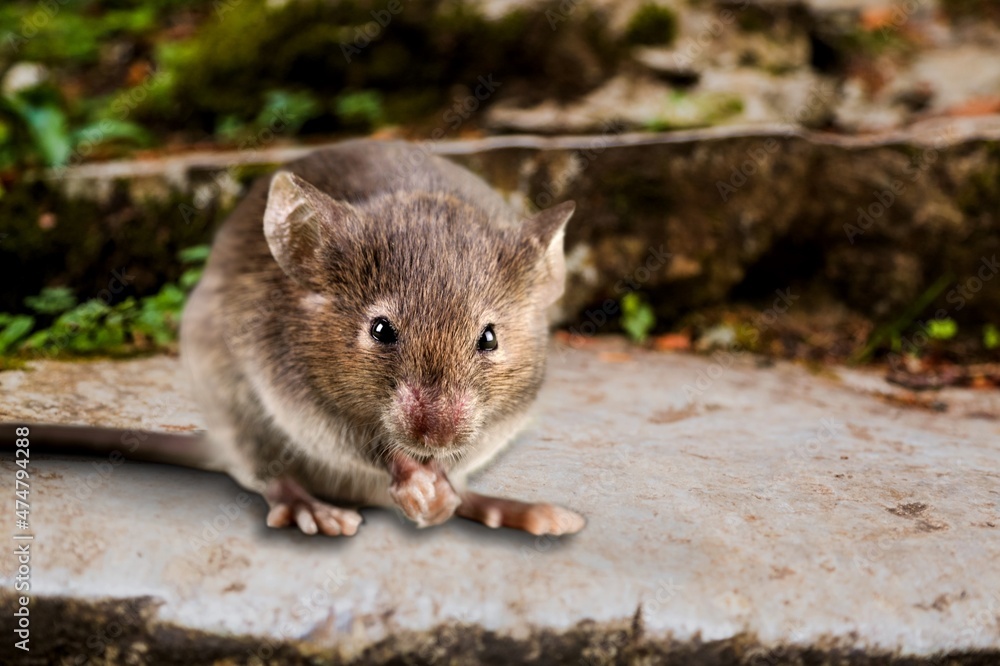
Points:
[(364, 107), (892, 333), (13, 329), (39, 128), (283, 111), (35, 127), (942, 329), (292, 109), (638, 318), (52, 300), (95, 326), (991, 336)]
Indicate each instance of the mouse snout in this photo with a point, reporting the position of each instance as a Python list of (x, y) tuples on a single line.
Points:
[(431, 417)]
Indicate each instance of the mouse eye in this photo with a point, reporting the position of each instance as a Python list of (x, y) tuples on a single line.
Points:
[(383, 331), (488, 340)]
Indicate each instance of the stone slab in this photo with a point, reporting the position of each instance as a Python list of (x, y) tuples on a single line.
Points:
[(734, 510)]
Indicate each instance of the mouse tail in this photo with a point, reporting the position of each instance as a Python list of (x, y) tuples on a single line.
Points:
[(185, 450)]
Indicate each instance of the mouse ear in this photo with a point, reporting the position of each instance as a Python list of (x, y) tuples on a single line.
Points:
[(549, 228), (297, 219)]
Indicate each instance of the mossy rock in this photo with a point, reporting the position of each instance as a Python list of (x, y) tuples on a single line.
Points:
[(412, 60), (652, 25), (51, 239)]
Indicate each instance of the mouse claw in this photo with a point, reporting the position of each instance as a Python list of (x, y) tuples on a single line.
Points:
[(554, 520), (304, 519), (292, 505)]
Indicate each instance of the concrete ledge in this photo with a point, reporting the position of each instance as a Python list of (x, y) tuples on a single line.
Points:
[(737, 514)]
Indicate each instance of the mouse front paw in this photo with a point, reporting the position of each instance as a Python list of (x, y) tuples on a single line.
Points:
[(425, 496)]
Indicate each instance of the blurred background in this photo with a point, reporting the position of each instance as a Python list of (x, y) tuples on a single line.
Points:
[(814, 180)]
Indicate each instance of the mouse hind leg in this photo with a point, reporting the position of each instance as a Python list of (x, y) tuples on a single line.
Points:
[(254, 456), (257, 458), (242, 441)]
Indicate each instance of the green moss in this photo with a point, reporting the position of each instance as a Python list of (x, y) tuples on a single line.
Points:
[(49, 240), (652, 25), (363, 109), (684, 111), (362, 73), (344, 66)]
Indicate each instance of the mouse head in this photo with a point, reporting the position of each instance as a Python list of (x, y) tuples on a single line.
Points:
[(421, 317)]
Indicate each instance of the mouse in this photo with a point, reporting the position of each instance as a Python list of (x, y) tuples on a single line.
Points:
[(370, 329)]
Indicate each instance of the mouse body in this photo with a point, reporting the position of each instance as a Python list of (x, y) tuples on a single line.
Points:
[(371, 327)]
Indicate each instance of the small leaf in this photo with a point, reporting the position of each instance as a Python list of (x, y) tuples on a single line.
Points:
[(638, 318), (942, 329), (48, 128), (295, 108), (196, 254), (16, 328), (189, 278), (38, 339), (108, 130), (52, 300), (991, 336), (362, 107)]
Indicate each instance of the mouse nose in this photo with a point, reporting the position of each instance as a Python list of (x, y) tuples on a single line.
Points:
[(429, 417)]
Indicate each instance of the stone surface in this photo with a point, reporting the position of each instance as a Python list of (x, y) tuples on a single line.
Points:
[(737, 514)]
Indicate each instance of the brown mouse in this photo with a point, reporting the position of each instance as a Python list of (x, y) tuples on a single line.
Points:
[(371, 327)]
